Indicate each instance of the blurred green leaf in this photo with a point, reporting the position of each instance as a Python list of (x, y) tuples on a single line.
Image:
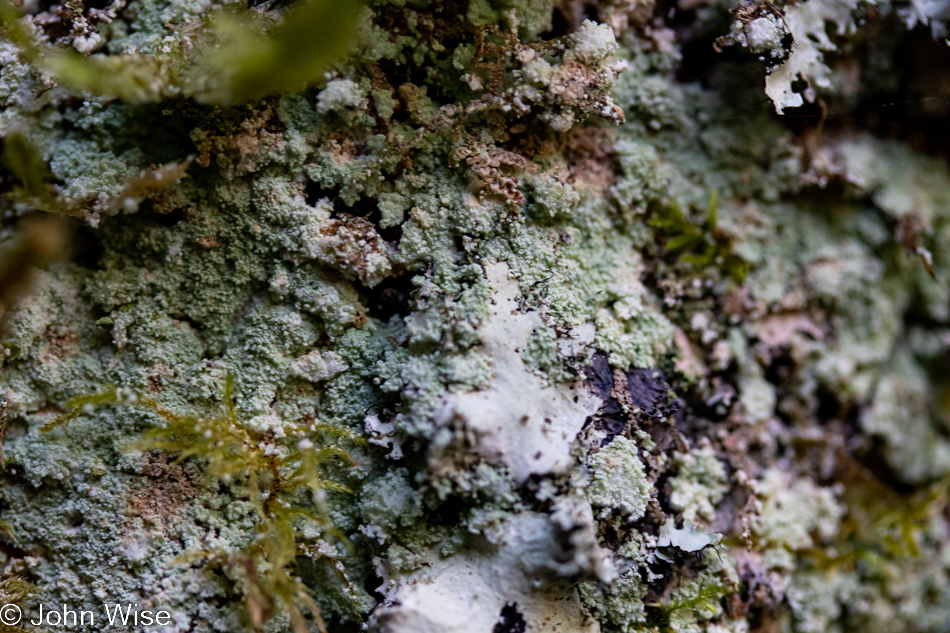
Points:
[(39, 241), (681, 241), (233, 58), (291, 55), (34, 175), (131, 78)]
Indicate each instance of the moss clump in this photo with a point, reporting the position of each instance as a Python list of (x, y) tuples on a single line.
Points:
[(276, 470), (14, 590), (701, 243)]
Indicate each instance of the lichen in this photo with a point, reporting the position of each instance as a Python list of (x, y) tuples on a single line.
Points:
[(699, 484), (628, 352), (618, 483)]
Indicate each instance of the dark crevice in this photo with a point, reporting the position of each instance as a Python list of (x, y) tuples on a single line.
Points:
[(184, 318), (449, 513), (590, 13), (74, 519), (313, 193), (510, 620), (874, 459), (390, 297), (559, 25), (372, 584), (167, 219), (364, 207), (85, 245), (830, 407)]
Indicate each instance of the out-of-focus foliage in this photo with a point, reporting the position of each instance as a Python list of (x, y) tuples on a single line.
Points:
[(35, 188), (235, 56), (38, 241), (254, 63)]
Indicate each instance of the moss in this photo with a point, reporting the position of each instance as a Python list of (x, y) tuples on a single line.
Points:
[(274, 471), (14, 590), (704, 244), (694, 602)]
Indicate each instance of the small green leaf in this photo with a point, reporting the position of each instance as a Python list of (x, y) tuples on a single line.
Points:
[(681, 241), (713, 208), (32, 172)]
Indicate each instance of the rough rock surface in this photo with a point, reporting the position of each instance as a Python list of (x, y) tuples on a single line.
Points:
[(516, 315)]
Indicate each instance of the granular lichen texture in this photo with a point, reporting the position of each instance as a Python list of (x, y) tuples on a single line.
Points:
[(475, 316)]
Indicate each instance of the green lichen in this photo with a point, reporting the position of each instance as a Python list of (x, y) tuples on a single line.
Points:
[(699, 484), (618, 482), (457, 239)]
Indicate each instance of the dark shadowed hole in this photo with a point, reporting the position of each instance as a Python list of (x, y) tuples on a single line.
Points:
[(510, 620), (449, 512), (391, 297), (313, 192), (74, 520), (169, 219), (830, 406), (590, 13), (559, 25), (86, 247)]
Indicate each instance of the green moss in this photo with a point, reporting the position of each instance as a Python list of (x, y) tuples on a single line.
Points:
[(691, 604), (14, 590), (275, 470), (703, 245)]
